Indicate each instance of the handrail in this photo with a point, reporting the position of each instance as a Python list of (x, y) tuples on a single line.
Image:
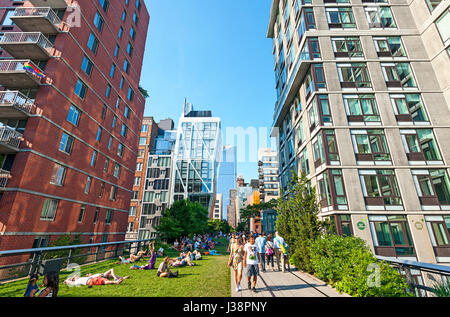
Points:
[(10, 136), (45, 12), (68, 247), (428, 267), (16, 65), (26, 37), (17, 100), (4, 176)]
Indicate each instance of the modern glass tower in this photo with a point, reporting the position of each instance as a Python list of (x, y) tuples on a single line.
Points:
[(363, 110), (198, 151), (227, 176)]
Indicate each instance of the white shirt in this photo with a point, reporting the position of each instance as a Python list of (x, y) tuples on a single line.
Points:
[(252, 256), (277, 242), (81, 281)]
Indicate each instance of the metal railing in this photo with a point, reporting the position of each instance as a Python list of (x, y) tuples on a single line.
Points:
[(415, 273), (10, 136), (11, 65), (4, 176), (17, 100), (26, 37), (67, 255), (47, 13)]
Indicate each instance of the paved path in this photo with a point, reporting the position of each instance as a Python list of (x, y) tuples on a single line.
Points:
[(288, 284)]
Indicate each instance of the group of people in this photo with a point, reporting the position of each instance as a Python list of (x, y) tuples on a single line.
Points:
[(252, 252), (205, 241), (50, 286)]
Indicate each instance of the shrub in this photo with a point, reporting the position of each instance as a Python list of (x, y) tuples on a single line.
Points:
[(349, 265), (442, 289)]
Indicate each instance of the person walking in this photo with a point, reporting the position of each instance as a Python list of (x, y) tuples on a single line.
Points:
[(277, 242), (269, 251), (236, 261), (251, 260), (260, 242)]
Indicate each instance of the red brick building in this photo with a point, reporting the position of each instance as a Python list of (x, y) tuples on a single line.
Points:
[(69, 140)]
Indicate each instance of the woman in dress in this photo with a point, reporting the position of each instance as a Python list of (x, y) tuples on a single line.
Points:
[(235, 261)]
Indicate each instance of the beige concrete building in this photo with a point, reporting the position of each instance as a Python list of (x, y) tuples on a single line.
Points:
[(363, 110), (268, 174)]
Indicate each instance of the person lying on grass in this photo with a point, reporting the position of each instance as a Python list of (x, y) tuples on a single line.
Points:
[(95, 279)]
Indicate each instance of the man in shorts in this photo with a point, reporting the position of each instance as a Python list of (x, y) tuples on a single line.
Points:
[(251, 260)]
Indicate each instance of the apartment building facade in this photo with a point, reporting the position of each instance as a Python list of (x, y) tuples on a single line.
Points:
[(363, 110), (269, 185), (70, 114)]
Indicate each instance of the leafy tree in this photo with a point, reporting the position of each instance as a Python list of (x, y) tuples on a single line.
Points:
[(144, 92), (252, 211), (298, 221), (183, 218), (216, 225)]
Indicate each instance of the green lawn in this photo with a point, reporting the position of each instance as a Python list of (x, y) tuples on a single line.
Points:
[(210, 277)]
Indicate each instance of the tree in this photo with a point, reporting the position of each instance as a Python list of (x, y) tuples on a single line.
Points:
[(144, 92), (183, 218), (298, 221), (216, 225), (252, 211)]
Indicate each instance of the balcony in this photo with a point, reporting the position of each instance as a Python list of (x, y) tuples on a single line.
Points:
[(32, 45), (9, 140), (4, 176), (14, 104), (13, 74), (33, 19), (55, 4)]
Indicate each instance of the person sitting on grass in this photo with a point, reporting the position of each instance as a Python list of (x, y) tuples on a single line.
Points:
[(163, 269), (133, 258), (96, 279), (51, 283), (197, 254)]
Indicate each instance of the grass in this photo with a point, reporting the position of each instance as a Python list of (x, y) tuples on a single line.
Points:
[(210, 277)]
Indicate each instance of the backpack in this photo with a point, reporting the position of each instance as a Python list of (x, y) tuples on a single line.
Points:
[(283, 249), (269, 251)]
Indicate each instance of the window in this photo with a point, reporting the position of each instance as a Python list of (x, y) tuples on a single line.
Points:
[(306, 22), (73, 115), (325, 148), (86, 65), (122, 81), (138, 5), (137, 181), (126, 66), (66, 143), (443, 25), (97, 211), (108, 90), (124, 130), (391, 236), (7, 18), (132, 212), (81, 215), (88, 185), (108, 218), (104, 111), (347, 47), (93, 158), (102, 188), (113, 193), (109, 142), (331, 189), (120, 32), (118, 102), (49, 209), (105, 166), (439, 231), (130, 94), (389, 47), (124, 15), (432, 4), (113, 69), (354, 75), (433, 186), (98, 21), (126, 112), (344, 225), (116, 51), (114, 121), (99, 134), (116, 170), (340, 18), (135, 18), (361, 109), (132, 33), (129, 49), (142, 141), (380, 189), (319, 112), (370, 145), (398, 75), (379, 17), (58, 175), (80, 89), (120, 149), (139, 167), (420, 145), (104, 4), (93, 43), (409, 108)]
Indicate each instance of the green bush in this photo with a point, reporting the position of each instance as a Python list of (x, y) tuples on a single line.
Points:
[(349, 265)]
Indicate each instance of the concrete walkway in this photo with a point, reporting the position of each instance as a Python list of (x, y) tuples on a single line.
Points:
[(288, 284)]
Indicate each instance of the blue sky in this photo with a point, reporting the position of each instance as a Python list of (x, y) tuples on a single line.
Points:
[(216, 54)]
